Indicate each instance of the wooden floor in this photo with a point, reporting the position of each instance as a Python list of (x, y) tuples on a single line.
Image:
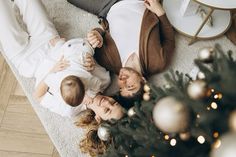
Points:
[(21, 132)]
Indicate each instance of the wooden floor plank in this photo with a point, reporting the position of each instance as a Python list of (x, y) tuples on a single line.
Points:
[(7, 85), (27, 143), (55, 153), (18, 90), (21, 132), (27, 123), (19, 104), (3, 68), (18, 154)]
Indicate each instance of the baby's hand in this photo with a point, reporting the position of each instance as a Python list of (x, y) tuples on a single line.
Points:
[(95, 39), (54, 41), (87, 100), (60, 65), (89, 63)]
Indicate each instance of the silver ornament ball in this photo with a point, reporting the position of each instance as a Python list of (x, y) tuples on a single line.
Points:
[(103, 133), (201, 75), (232, 121), (131, 112), (206, 54), (171, 115), (225, 146), (197, 89)]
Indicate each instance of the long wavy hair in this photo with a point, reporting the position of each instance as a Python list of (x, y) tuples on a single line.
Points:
[(91, 143)]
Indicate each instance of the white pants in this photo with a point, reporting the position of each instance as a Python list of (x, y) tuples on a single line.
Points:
[(17, 43)]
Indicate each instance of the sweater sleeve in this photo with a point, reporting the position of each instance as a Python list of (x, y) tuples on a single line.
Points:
[(166, 34), (94, 86)]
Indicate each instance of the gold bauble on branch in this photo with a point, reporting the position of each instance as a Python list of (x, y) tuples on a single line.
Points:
[(185, 136), (232, 121), (146, 88), (206, 54), (171, 115), (225, 146), (146, 96), (197, 89), (131, 112)]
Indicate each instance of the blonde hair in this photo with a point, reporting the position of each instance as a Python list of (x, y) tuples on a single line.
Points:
[(91, 143), (72, 90)]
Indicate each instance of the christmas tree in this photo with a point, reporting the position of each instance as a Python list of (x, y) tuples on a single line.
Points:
[(185, 118)]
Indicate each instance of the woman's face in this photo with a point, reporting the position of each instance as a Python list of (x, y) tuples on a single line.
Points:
[(106, 108), (129, 82)]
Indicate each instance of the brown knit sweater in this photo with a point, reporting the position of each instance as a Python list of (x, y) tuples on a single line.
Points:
[(156, 47)]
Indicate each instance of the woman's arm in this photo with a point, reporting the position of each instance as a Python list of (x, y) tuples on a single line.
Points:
[(166, 30), (42, 87)]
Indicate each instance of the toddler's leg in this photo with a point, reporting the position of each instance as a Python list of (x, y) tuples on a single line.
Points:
[(36, 18), (12, 37)]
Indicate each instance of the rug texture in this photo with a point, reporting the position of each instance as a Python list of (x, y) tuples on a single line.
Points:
[(72, 22)]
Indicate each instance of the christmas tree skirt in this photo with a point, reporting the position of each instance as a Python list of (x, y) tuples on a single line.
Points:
[(72, 22)]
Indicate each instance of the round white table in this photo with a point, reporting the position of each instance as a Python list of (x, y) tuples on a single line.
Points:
[(194, 26)]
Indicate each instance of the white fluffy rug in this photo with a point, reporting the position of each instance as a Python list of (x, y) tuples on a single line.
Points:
[(73, 22)]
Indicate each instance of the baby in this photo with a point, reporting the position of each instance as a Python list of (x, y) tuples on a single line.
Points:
[(73, 85)]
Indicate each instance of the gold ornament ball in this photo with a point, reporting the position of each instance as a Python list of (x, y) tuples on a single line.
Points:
[(146, 96), (103, 133), (206, 54), (197, 89), (146, 88), (201, 75), (232, 121), (226, 146), (171, 115), (185, 136), (131, 112)]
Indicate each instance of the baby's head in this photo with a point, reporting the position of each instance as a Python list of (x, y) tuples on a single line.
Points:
[(72, 90)]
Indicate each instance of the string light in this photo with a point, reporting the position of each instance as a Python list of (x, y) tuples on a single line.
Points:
[(216, 134), (201, 139), (208, 108), (198, 116), (220, 96), (212, 90), (173, 142), (166, 137), (216, 96), (214, 105), (216, 144), (126, 156)]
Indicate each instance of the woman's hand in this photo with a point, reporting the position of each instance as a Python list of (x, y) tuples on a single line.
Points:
[(155, 7), (54, 40), (95, 39), (60, 65), (89, 62)]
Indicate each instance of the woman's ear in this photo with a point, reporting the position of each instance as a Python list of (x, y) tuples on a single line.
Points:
[(98, 119), (144, 80)]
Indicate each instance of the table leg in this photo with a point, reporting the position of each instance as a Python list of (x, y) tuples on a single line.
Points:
[(200, 28)]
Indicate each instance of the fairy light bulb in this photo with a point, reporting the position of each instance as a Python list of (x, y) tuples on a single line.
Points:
[(166, 137), (215, 134), (201, 139), (216, 144), (173, 142), (214, 105)]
